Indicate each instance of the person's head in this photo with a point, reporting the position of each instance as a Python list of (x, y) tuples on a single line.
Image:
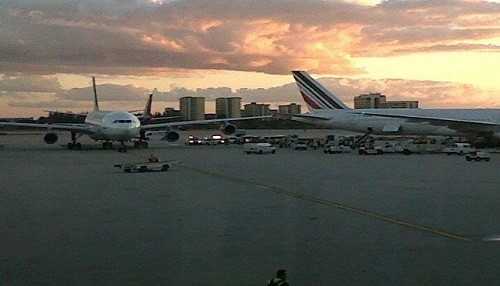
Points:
[(281, 274)]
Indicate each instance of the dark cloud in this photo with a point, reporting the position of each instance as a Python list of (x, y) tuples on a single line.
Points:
[(29, 83), (105, 92), (138, 37), (429, 93)]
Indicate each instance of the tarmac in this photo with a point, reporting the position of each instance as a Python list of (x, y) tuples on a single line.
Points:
[(224, 217)]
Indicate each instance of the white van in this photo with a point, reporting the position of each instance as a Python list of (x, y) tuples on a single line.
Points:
[(259, 148), (458, 148)]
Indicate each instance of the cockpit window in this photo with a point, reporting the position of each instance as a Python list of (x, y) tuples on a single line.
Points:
[(122, 121)]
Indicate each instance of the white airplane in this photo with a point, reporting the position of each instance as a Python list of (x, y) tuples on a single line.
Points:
[(327, 110), (121, 126)]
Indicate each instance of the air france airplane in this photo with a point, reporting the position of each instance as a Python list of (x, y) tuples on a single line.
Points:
[(120, 126), (327, 110)]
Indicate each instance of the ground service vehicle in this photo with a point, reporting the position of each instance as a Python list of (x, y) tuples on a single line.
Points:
[(408, 147), (478, 156), (389, 146), (259, 148), (371, 150), (458, 148), (143, 167), (301, 146), (334, 149)]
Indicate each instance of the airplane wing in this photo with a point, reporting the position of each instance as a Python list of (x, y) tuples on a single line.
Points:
[(193, 122), (434, 120), (311, 116), (461, 125), (80, 128)]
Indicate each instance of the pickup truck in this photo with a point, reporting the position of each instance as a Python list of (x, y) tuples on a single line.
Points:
[(478, 156)]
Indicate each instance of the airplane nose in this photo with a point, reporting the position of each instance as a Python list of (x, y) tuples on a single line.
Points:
[(123, 133)]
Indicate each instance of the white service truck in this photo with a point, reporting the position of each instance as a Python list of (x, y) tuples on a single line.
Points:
[(259, 148)]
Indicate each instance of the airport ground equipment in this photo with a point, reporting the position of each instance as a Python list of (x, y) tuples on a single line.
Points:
[(259, 148), (478, 156), (334, 149), (407, 148), (458, 148), (142, 167), (301, 146), (370, 150)]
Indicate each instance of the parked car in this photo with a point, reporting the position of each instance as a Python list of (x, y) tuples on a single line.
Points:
[(301, 146), (458, 148), (334, 149), (259, 148), (478, 156)]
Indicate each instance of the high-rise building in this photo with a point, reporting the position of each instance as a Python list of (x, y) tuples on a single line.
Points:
[(291, 108), (367, 101), (192, 108), (256, 109), (377, 100), (228, 107)]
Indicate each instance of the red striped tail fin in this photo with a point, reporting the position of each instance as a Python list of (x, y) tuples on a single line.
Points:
[(314, 94)]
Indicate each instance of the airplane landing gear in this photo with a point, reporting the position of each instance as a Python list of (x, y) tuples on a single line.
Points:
[(122, 148), (73, 145), (141, 144)]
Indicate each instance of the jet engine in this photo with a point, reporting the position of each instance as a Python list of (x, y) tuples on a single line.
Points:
[(50, 138), (228, 128), (171, 136)]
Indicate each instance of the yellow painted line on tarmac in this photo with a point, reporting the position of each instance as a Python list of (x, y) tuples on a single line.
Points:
[(332, 204)]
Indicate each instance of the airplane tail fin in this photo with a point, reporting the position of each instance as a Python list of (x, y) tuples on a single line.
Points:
[(314, 94), (147, 108), (96, 104)]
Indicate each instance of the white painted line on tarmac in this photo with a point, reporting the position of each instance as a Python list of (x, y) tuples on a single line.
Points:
[(332, 204), (495, 238)]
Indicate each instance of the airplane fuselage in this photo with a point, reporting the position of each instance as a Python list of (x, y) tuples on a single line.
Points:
[(113, 125), (355, 120)]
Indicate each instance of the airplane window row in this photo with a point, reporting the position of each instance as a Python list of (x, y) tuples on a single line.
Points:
[(123, 121)]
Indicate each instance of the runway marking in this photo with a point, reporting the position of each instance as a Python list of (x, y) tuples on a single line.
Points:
[(332, 204), (492, 238)]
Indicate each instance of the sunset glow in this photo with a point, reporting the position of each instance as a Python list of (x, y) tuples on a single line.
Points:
[(447, 52)]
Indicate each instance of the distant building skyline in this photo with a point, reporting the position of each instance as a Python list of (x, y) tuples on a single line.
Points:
[(228, 107), (256, 109), (378, 100), (192, 108), (292, 108)]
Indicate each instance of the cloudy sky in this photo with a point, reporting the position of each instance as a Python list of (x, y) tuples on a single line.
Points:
[(444, 53)]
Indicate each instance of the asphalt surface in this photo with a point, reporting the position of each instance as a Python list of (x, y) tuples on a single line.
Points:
[(224, 217)]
